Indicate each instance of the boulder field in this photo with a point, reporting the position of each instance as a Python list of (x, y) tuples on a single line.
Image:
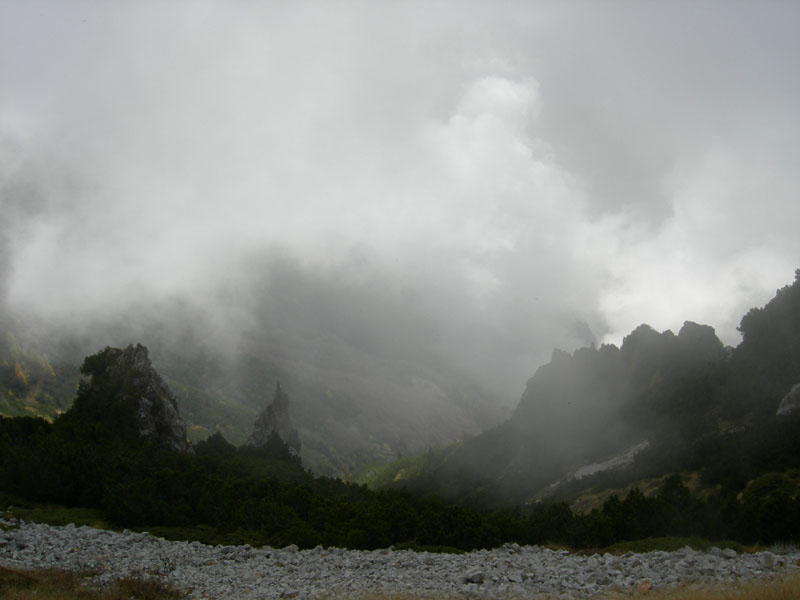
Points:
[(245, 573)]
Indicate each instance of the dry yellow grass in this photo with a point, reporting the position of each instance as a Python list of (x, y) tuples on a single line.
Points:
[(54, 584), (779, 588), (63, 585)]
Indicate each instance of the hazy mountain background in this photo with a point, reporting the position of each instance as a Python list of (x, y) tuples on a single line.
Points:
[(667, 435), (352, 407), (661, 402), (399, 209)]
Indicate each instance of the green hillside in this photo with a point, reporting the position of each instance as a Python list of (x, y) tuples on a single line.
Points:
[(32, 383)]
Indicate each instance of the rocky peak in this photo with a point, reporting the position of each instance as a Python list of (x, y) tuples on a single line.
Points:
[(701, 342), (125, 378), (274, 419)]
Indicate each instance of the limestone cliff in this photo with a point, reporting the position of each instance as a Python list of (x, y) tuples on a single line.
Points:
[(790, 402), (275, 419)]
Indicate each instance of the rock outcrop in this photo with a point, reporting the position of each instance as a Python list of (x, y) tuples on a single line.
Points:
[(125, 380), (274, 419), (790, 402), (700, 343)]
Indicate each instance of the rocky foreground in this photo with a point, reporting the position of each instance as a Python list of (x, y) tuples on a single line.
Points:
[(242, 572)]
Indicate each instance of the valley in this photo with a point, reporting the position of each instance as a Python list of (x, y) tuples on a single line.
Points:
[(666, 435)]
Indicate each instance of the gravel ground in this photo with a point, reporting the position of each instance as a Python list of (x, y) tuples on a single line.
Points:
[(244, 573)]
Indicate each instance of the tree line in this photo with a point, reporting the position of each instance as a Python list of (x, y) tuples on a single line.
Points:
[(264, 497)]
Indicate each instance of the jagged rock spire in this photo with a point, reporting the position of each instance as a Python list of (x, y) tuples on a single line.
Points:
[(130, 378), (274, 419)]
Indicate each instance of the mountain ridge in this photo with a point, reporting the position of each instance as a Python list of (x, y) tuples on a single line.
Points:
[(343, 421), (683, 394)]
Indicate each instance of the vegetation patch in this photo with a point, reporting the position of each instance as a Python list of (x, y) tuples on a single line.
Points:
[(383, 476), (7, 499), (211, 536), (784, 588), (672, 544), (53, 514), (53, 584), (594, 500)]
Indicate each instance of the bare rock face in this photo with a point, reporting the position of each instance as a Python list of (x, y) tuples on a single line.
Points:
[(790, 402), (274, 419), (127, 378)]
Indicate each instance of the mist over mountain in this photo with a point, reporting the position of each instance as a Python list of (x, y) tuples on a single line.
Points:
[(667, 435), (125, 396), (397, 210), (353, 404), (659, 404), (467, 187)]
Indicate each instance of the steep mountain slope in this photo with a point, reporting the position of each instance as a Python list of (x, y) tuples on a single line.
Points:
[(351, 407), (33, 381), (684, 402)]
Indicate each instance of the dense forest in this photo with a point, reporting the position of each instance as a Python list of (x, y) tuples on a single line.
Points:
[(708, 413), (224, 494)]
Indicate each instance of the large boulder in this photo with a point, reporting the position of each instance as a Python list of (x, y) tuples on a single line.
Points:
[(274, 420)]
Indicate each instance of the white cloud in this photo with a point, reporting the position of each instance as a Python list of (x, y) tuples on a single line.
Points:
[(519, 172), (727, 246)]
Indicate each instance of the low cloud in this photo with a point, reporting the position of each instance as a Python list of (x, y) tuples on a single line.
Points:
[(468, 186)]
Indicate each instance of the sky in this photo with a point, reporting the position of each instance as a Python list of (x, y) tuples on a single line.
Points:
[(473, 183)]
